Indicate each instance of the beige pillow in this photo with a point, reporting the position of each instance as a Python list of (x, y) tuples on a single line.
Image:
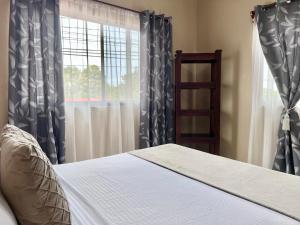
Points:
[(29, 182)]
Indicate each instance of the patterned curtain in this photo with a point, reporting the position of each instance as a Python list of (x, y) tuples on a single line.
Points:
[(279, 29), (36, 100), (157, 99)]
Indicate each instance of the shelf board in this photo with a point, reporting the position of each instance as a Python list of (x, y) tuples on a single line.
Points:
[(197, 58), (195, 112), (197, 138), (195, 85)]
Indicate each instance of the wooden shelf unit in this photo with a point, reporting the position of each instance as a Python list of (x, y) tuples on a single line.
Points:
[(214, 86)]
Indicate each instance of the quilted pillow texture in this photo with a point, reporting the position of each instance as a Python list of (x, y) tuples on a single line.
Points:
[(29, 182), (6, 215)]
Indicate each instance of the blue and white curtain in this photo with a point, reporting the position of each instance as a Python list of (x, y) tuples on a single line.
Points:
[(278, 29), (36, 99), (157, 98)]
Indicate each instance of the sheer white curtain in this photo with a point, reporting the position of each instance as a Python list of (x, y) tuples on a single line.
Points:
[(266, 109), (101, 79), (98, 12)]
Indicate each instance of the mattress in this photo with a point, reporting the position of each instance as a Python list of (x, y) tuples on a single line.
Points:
[(126, 190)]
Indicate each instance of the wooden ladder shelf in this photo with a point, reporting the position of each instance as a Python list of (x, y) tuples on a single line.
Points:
[(213, 113)]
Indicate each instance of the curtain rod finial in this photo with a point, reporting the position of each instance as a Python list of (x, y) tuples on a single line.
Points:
[(252, 14)]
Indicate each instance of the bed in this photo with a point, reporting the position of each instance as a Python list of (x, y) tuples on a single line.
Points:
[(166, 186)]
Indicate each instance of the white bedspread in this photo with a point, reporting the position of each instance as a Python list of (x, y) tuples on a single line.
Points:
[(274, 190), (125, 190)]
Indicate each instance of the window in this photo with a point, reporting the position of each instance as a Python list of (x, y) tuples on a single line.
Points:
[(101, 62), (100, 46), (269, 85)]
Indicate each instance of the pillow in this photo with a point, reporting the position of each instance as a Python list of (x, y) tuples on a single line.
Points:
[(6, 215), (29, 182)]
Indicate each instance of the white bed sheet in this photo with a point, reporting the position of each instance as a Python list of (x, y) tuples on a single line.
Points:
[(125, 190)]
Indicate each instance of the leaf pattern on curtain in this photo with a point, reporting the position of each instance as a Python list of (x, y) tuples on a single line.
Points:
[(279, 29), (157, 98), (36, 100)]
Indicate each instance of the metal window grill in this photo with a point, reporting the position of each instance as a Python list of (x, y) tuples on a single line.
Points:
[(101, 62)]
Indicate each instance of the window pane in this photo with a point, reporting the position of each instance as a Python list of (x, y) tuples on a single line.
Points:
[(114, 60), (91, 74), (135, 63)]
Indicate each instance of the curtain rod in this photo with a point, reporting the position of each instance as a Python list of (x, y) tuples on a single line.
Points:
[(252, 13), (121, 7), (117, 6)]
